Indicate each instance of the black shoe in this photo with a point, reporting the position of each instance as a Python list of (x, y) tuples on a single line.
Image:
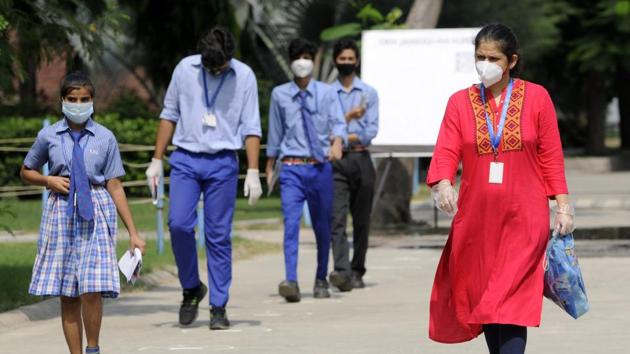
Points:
[(190, 305), (357, 281), (320, 291), (340, 280), (289, 290), (218, 318)]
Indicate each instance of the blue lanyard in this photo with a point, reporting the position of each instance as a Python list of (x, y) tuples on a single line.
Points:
[(210, 102), (495, 139), (63, 149)]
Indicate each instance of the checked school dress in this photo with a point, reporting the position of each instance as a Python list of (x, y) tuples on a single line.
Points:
[(491, 269), (76, 256)]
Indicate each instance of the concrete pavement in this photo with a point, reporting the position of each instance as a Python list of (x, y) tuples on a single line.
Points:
[(389, 316)]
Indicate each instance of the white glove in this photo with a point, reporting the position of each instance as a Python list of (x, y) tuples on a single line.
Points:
[(252, 187), (445, 197), (563, 221), (154, 172)]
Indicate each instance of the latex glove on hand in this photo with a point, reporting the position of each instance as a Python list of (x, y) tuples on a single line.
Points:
[(252, 187), (563, 221), (445, 197), (154, 172)]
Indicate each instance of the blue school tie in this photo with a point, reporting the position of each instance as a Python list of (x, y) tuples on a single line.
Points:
[(309, 128), (79, 182)]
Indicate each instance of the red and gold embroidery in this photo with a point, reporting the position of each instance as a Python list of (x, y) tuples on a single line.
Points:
[(512, 139)]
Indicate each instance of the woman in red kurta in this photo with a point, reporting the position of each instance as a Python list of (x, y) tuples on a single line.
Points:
[(490, 276)]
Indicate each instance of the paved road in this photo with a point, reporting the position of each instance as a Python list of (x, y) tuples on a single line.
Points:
[(389, 316)]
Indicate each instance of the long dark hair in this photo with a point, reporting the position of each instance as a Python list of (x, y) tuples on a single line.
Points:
[(507, 41)]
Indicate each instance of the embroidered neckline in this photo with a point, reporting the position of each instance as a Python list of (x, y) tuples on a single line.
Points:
[(512, 138)]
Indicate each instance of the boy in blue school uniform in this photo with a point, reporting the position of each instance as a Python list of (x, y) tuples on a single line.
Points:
[(306, 131), (76, 251), (210, 109), (354, 174)]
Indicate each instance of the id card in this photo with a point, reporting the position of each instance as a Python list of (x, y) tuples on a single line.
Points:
[(496, 173), (210, 120)]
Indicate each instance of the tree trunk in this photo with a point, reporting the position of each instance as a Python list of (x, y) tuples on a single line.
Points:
[(596, 104), (424, 14), (623, 94), (28, 88)]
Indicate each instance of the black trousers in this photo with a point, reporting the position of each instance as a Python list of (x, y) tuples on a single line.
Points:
[(354, 177)]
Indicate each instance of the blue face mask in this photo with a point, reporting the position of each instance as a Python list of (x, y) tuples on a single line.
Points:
[(77, 113)]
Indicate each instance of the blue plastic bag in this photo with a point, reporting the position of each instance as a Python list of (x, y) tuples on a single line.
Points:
[(564, 284)]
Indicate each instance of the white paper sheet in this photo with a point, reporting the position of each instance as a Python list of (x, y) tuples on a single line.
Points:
[(130, 265)]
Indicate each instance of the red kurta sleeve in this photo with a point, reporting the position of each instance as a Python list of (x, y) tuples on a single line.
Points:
[(448, 149), (550, 155)]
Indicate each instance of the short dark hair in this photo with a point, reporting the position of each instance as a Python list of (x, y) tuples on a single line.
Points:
[(507, 41), (300, 46), (343, 44), (76, 80), (216, 47)]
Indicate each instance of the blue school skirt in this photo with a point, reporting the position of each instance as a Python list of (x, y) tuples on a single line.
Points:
[(75, 256)]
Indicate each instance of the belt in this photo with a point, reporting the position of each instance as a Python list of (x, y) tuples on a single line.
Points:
[(357, 148), (290, 160)]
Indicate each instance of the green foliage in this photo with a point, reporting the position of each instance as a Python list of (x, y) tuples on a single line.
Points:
[(346, 30), (44, 28), (5, 210), (129, 105), (370, 17), (370, 14), (164, 32), (16, 265)]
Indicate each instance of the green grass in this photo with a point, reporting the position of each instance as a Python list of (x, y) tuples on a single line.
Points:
[(16, 263), (28, 213)]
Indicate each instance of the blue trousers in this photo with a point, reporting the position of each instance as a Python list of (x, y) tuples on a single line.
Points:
[(313, 184), (216, 176)]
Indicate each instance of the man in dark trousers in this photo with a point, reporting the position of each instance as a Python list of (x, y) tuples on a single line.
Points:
[(354, 174)]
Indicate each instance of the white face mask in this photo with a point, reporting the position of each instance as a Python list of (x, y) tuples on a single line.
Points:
[(489, 73), (77, 113), (302, 67)]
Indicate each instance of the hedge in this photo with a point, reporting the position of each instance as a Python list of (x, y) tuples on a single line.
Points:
[(138, 131)]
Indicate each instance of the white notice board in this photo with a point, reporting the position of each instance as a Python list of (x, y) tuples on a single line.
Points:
[(415, 72)]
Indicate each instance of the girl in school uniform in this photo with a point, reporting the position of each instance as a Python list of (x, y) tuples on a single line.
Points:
[(76, 251)]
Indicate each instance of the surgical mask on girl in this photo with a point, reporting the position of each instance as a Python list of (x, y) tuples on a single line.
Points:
[(489, 73), (302, 67), (77, 113)]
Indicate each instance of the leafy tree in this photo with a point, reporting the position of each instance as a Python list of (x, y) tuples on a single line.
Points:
[(163, 32), (578, 49), (34, 31), (370, 19)]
